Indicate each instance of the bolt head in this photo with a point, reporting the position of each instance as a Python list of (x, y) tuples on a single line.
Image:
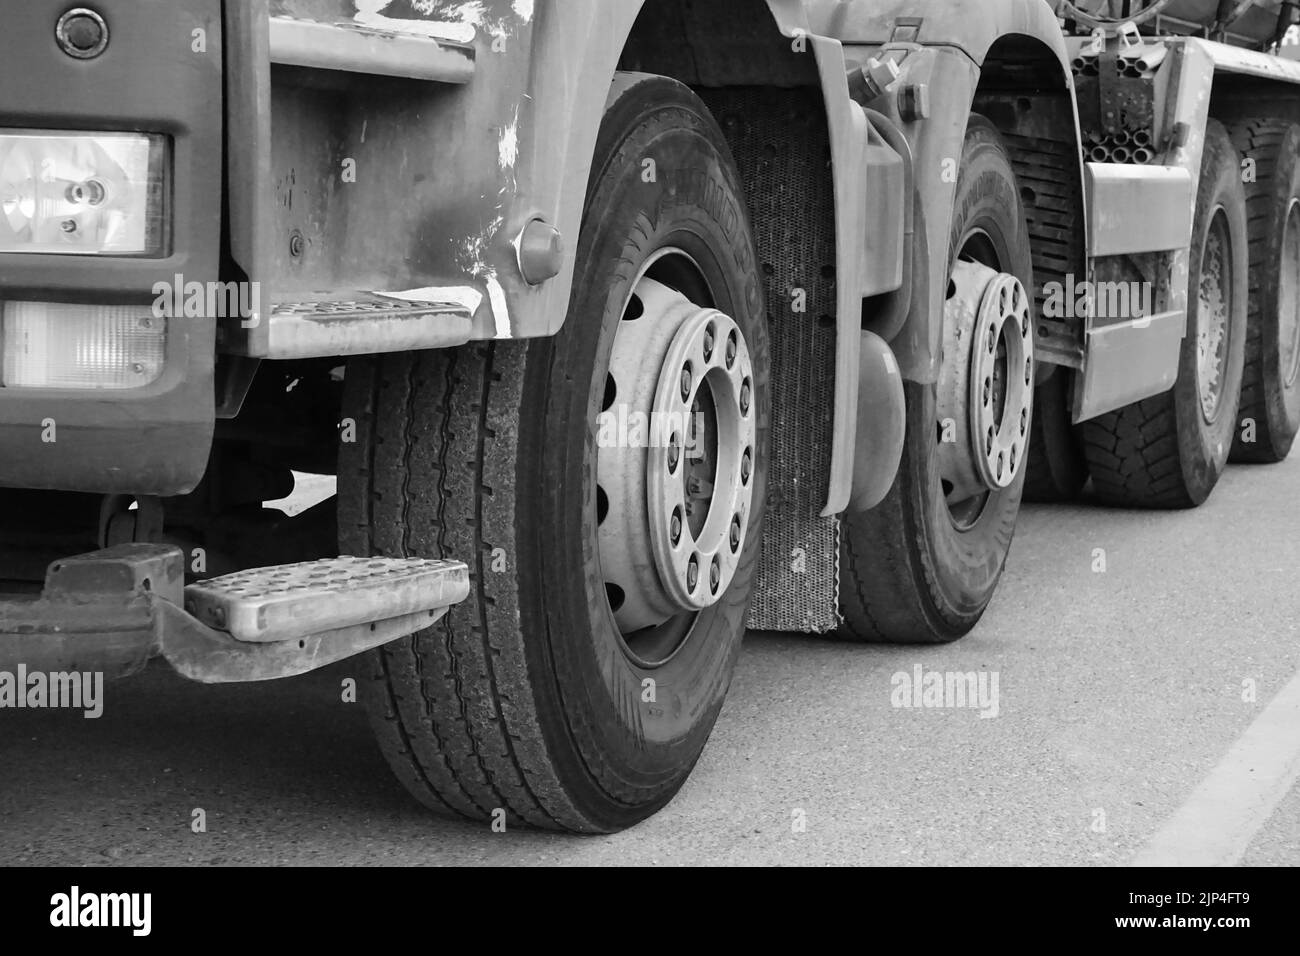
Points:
[(693, 573), (745, 398), (708, 346), (687, 382), (746, 466), (731, 351), (675, 529)]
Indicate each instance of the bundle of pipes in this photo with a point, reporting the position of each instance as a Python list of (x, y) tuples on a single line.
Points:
[(1133, 148)]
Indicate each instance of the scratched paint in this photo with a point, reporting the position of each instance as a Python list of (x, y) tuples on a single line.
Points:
[(458, 21), (509, 146)]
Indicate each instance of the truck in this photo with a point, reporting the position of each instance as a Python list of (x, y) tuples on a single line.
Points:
[(621, 327)]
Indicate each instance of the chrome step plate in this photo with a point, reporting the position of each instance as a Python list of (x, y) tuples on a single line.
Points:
[(295, 601)]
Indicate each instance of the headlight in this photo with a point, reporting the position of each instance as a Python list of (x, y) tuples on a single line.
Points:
[(56, 345), (82, 193)]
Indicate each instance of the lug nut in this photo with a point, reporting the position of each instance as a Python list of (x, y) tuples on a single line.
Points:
[(675, 528), (732, 346), (735, 533), (708, 346), (746, 466), (744, 398), (988, 390), (686, 383), (693, 572), (715, 576), (674, 454), (989, 444), (1024, 420)]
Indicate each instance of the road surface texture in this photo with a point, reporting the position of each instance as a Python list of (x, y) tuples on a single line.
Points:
[(1147, 709)]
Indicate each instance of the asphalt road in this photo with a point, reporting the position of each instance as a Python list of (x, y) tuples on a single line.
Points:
[(1121, 729)]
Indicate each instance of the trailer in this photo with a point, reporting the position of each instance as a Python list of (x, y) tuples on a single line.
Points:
[(623, 326)]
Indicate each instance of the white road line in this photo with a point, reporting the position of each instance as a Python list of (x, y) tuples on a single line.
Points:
[(1220, 819)]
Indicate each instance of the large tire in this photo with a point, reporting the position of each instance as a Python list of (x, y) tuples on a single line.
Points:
[(909, 573), (1270, 389), (524, 699), (1168, 451)]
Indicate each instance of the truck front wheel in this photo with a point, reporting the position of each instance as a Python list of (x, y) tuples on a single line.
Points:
[(606, 489)]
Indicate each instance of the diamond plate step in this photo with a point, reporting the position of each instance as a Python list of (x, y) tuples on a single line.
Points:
[(351, 323), (295, 601)]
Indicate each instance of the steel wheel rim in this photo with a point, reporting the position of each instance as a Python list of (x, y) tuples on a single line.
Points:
[(674, 501), (1288, 297), (984, 398), (1214, 329)]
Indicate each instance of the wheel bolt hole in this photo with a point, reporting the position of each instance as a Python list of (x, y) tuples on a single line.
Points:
[(715, 575), (616, 597), (693, 572), (602, 505), (611, 393), (674, 453), (688, 380), (709, 336), (1029, 372), (1001, 464), (993, 339), (1024, 420), (745, 397), (733, 347), (988, 443), (635, 309), (735, 534), (746, 465), (675, 527)]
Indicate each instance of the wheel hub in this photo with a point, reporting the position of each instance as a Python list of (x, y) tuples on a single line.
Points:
[(986, 383), (675, 465)]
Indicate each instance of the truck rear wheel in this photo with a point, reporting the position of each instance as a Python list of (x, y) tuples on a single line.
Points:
[(1270, 389), (606, 489), (1168, 451), (923, 565)]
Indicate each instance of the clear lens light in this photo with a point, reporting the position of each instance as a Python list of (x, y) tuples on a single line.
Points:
[(81, 193), (54, 345)]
